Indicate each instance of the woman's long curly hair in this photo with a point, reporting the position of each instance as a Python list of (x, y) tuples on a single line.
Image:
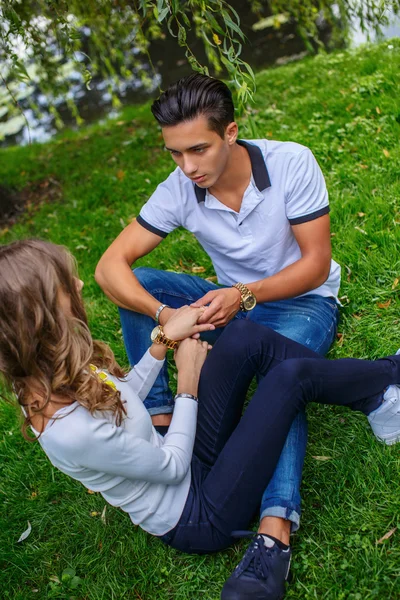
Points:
[(46, 351)]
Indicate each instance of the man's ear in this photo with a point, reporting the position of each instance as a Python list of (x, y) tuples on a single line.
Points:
[(231, 133)]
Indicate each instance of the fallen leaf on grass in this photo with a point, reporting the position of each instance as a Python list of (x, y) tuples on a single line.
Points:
[(198, 269), (103, 515), (378, 110), (360, 230), (349, 107), (340, 338), (24, 535), (358, 317), (94, 513), (348, 272), (386, 536), (384, 304), (361, 214), (91, 492), (212, 278), (120, 174), (386, 153), (322, 457), (395, 283)]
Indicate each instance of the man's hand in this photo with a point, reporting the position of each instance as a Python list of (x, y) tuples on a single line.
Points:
[(222, 306)]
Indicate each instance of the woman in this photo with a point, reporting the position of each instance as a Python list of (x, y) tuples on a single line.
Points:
[(193, 487)]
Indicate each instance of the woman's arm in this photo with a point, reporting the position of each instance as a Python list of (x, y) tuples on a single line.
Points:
[(99, 445), (182, 325)]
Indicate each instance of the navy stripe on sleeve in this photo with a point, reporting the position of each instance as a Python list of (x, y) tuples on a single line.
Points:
[(310, 217), (151, 228)]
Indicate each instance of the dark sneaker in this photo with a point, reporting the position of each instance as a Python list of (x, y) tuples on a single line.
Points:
[(261, 574)]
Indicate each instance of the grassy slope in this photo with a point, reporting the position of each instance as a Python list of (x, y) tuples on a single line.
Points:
[(346, 107)]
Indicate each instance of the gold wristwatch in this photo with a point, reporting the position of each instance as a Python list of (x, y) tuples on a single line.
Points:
[(158, 337), (248, 300)]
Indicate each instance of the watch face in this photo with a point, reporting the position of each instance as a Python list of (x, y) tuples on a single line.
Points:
[(155, 333), (249, 302)]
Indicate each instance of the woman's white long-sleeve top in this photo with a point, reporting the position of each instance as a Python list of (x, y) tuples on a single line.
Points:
[(132, 466)]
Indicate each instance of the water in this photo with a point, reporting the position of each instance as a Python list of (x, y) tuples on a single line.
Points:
[(263, 48), (391, 31)]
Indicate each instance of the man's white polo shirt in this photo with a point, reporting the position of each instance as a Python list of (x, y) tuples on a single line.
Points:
[(287, 188)]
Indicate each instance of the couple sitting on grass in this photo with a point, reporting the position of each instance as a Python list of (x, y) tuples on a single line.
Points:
[(260, 210)]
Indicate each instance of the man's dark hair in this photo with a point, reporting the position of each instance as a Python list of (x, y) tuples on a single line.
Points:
[(193, 96)]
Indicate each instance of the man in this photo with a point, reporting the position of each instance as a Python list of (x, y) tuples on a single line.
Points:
[(260, 211)]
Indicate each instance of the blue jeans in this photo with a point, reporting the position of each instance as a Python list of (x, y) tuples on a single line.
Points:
[(310, 320), (234, 456)]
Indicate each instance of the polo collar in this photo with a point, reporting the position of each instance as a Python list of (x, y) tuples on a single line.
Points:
[(258, 168)]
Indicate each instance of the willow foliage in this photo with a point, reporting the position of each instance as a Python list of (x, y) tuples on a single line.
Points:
[(41, 39)]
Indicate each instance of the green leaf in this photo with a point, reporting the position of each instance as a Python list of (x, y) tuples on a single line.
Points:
[(88, 78), (67, 574), (75, 582), (214, 25), (169, 22), (228, 21), (181, 36), (162, 14), (185, 19), (20, 71)]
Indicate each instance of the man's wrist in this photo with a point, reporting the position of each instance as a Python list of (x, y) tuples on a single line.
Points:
[(239, 296), (165, 314), (248, 300), (159, 311)]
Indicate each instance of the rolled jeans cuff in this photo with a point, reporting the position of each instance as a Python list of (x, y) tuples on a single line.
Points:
[(283, 513), (165, 409)]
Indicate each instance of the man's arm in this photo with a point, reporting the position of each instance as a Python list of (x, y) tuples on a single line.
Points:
[(114, 275), (304, 275)]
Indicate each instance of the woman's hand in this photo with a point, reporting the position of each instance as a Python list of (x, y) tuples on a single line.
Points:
[(183, 323), (189, 359)]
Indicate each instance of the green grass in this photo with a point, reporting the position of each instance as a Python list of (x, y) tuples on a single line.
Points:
[(346, 107)]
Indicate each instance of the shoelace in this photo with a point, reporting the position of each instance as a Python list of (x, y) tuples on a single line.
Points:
[(254, 561)]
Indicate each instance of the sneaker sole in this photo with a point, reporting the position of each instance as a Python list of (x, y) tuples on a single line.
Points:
[(389, 440)]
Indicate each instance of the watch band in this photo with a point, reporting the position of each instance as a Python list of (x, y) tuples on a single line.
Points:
[(159, 310), (183, 395), (245, 294), (158, 337)]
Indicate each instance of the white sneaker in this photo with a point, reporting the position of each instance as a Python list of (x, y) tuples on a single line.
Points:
[(385, 420)]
